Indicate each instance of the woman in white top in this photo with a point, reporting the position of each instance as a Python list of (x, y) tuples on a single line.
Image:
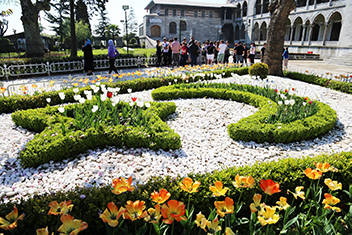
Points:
[(252, 52)]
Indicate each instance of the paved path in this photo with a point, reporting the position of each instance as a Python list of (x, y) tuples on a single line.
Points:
[(319, 67)]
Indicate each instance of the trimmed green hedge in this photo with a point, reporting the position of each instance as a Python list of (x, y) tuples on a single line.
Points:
[(254, 127), (51, 144), (20, 102), (345, 87), (289, 173)]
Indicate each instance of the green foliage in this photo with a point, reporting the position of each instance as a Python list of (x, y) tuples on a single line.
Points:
[(345, 87), (259, 70), (289, 173), (6, 45), (256, 127), (62, 137)]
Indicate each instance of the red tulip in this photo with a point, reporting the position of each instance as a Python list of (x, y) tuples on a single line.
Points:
[(286, 90), (293, 88), (276, 90), (306, 98), (134, 99), (310, 102), (109, 94)]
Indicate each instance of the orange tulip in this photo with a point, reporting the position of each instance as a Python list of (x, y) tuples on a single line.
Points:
[(2, 90), (297, 192), (325, 167), (313, 174), (174, 210), (224, 207), (243, 181), (330, 201), (218, 190), (112, 215), (160, 197), (283, 205), (213, 226), (121, 185), (188, 185), (256, 206), (11, 220), (71, 225), (153, 215), (62, 208), (269, 187), (42, 231), (134, 210)]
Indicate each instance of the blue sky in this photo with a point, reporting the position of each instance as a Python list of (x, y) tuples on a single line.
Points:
[(114, 7)]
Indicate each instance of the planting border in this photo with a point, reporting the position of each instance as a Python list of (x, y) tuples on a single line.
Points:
[(254, 128)]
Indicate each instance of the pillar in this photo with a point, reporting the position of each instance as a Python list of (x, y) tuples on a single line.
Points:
[(291, 34), (325, 32), (310, 33), (303, 33)]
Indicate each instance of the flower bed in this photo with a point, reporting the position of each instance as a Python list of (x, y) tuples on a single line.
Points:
[(310, 205), (272, 123)]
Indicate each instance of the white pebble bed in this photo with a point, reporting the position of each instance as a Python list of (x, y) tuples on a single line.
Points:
[(206, 146)]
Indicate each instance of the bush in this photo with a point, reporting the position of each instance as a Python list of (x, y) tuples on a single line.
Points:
[(254, 127), (289, 173), (259, 70)]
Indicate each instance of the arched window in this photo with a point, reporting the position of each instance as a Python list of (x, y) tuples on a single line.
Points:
[(244, 9), (238, 11), (318, 28), (288, 30), (306, 33), (258, 7), (183, 26), (172, 28), (263, 32), (266, 6), (155, 31), (242, 32), (297, 29), (237, 33), (335, 26), (256, 32)]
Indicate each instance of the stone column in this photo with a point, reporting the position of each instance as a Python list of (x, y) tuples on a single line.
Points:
[(307, 5), (315, 4), (310, 33), (291, 34), (261, 9), (325, 32), (330, 3), (303, 33)]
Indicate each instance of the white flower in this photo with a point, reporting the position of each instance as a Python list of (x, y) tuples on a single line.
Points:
[(131, 103), (96, 90), (129, 90), (86, 92), (140, 104), (95, 108), (175, 80), (76, 97), (287, 102), (282, 96), (169, 83), (279, 102), (89, 93), (61, 109), (89, 97), (147, 105), (75, 90), (48, 100), (103, 86), (117, 89), (103, 97), (115, 99), (110, 89), (62, 95), (98, 83), (93, 86), (82, 100), (279, 127), (269, 102), (304, 103)]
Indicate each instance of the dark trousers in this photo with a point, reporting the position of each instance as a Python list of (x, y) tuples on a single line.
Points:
[(184, 59), (193, 60), (112, 65), (226, 58), (175, 59), (158, 62), (166, 58)]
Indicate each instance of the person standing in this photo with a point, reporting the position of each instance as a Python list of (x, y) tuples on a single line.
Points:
[(158, 53), (234, 53), (227, 53), (285, 56), (262, 51), (252, 52), (88, 57), (112, 54), (221, 49), (170, 53), (245, 53), (210, 53), (193, 50), (175, 47), (184, 48), (165, 52), (199, 54), (239, 53)]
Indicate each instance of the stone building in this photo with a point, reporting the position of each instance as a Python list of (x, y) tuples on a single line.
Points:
[(316, 26)]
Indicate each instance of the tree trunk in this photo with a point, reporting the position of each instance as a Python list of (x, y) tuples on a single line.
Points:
[(29, 18), (279, 9), (73, 29)]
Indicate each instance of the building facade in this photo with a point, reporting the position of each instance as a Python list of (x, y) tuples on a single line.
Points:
[(318, 26)]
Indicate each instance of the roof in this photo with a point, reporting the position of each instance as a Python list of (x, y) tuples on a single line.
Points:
[(187, 3)]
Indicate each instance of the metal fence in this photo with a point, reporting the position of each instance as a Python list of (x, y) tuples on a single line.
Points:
[(70, 66)]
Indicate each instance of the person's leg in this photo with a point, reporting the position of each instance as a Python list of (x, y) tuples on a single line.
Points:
[(111, 65)]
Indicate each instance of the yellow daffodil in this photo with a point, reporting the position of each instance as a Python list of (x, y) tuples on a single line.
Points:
[(313, 174), (160, 197), (213, 226), (71, 226), (188, 185), (11, 220), (256, 206), (283, 205), (243, 181), (121, 185), (333, 185), (219, 189), (267, 216), (134, 210), (112, 215), (330, 201), (62, 208), (153, 215), (224, 207), (325, 167), (228, 231), (297, 192)]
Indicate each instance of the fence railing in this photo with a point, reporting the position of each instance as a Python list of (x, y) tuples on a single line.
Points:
[(70, 66)]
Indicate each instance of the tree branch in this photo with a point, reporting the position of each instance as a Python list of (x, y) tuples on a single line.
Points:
[(42, 5)]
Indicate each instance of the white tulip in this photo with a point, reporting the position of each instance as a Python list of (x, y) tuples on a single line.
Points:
[(117, 89), (103, 97), (93, 86), (62, 95), (48, 100), (82, 100), (147, 105), (89, 97), (75, 90), (61, 109), (95, 108), (76, 97), (279, 102), (129, 90), (98, 83)]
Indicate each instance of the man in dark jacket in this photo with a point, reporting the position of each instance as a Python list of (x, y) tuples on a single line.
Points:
[(193, 50)]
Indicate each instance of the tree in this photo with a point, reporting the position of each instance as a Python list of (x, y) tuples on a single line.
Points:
[(132, 22), (82, 32), (103, 22), (112, 31), (280, 10), (4, 25), (82, 12), (30, 11)]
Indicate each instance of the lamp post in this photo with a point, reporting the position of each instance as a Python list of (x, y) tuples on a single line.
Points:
[(125, 8)]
